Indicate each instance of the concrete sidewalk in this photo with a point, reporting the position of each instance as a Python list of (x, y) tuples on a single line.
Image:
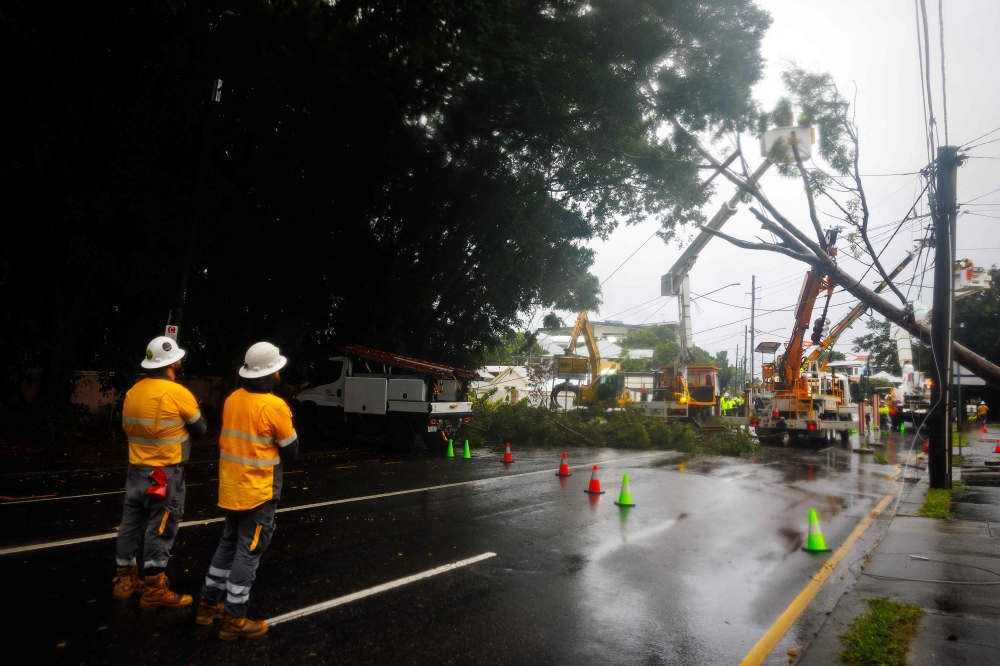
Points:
[(961, 623)]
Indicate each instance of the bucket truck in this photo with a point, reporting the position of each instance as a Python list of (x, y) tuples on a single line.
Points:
[(913, 398), (685, 390), (811, 403)]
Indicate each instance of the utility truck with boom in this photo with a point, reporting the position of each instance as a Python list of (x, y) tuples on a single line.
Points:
[(686, 391), (401, 400)]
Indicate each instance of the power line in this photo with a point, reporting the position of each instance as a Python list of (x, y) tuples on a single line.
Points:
[(964, 203), (980, 137), (983, 144), (631, 255), (944, 87)]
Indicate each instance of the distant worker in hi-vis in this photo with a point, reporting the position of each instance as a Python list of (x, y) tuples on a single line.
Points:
[(257, 436), (158, 416)]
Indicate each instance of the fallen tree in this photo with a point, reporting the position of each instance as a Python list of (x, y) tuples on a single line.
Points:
[(822, 104)]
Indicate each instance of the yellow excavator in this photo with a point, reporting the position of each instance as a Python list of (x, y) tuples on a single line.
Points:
[(606, 379)]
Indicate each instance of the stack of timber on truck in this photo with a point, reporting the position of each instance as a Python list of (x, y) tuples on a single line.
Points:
[(404, 401)]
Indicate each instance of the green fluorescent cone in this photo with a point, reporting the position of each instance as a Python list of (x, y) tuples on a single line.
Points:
[(625, 498), (815, 542), (451, 450), (465, 453)]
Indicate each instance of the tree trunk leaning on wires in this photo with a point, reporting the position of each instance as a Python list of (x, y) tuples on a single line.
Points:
[(823, 106)]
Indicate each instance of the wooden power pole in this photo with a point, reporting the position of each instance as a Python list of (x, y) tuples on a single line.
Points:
[(942, 318)]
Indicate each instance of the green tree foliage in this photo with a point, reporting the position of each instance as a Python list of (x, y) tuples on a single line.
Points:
[(409, 176), (879, 345), (522, 343)]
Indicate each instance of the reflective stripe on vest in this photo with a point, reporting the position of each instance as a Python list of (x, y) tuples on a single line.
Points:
[(249, 462)]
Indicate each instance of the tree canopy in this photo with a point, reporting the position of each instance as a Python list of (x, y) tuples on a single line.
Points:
[(408, 176)]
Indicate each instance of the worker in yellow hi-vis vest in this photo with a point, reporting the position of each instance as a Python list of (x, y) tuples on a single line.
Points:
[(257, 437), (158, 416)]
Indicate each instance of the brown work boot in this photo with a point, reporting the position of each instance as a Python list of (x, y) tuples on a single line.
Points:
[(241, 627), (127, 582), (209, 612), (157, 593)]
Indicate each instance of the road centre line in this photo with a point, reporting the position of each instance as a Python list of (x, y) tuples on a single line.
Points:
[(346, 599), (52, 499), (363, 498), (795, 609)]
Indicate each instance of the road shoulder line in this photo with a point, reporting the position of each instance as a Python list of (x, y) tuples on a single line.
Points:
[(795, 609), (354, 596), (316, 505)]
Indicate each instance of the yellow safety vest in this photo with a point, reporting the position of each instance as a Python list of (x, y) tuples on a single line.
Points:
[(254, 425), (153, 417)]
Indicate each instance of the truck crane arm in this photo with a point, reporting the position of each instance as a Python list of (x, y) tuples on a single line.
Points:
[(675, 282), (853, 316)]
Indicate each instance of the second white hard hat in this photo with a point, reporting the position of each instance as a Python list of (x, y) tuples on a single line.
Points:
[(161, 352), (262, 359)]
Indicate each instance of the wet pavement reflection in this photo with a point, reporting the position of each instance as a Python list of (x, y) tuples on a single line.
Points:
[(693, 574)]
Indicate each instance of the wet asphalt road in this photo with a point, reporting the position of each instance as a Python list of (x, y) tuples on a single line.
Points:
[(695, 574)]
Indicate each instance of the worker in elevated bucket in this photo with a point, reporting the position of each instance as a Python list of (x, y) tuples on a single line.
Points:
[(257, 437), (158, 416)]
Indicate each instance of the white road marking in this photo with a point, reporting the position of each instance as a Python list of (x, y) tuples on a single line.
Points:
[(741, 476), (317, 505), (53, 499), (340, 601)]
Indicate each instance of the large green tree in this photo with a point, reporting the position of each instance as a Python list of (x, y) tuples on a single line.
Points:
[(404, 175)]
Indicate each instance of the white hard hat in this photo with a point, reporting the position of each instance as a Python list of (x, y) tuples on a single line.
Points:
[(161, 352), (262, 359)]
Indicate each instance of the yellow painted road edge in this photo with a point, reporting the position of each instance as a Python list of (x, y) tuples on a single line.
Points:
[(777, 631)]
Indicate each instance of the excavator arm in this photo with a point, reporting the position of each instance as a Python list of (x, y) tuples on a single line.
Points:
[(583, 327)]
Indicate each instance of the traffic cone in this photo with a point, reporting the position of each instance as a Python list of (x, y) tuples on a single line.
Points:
[(815, 542), (984, 428), (595, 484), (507, 458), (997, 449), (465, 453), (625, 497), (451, 450), (563, 467), (927, 445)]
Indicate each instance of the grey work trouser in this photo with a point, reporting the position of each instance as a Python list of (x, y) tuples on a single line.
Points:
[(234, 566), (157, 518)]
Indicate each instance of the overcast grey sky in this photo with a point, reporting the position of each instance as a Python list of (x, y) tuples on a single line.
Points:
[(870, 44)]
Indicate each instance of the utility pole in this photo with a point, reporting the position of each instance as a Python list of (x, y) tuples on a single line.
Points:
[(744, 355), (753, 306), (944, 214)]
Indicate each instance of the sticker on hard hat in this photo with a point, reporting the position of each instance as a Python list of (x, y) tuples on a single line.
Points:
[(149, 353), (167, 346)]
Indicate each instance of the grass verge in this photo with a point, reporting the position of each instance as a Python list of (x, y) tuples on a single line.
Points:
[(937, 504), (882, 635)]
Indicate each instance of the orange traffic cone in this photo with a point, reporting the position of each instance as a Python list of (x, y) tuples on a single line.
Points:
[(997, 449), (507, 458), (563, 467), (595, 484), (927, 446), (984, 428)]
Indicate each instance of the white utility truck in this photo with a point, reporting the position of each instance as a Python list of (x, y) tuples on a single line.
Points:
[(401, 400)]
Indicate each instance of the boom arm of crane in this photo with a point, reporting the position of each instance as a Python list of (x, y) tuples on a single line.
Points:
[(675, 282), (853, 316), (583, 326)]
